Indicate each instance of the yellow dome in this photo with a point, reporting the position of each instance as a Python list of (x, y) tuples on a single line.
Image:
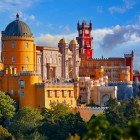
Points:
[(74, 42), (63, 41)]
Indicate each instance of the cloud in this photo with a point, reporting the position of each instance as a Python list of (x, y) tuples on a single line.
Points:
[(52, 40), (127, 5), (106, 37), (23, 16), (122, 35), (15, 5), (115, 41)]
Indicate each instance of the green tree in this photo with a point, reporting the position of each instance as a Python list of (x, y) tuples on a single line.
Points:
[(75, 124), (133, 130), (25, 122), (4, 133), (97, 128), (7, 109), (60, 122), (120, 113), (132, 110)]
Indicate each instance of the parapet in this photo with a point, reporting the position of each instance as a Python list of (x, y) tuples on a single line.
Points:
[(24, 73), (91, 108)]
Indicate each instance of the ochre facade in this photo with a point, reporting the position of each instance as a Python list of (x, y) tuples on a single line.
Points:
[(20, 76)]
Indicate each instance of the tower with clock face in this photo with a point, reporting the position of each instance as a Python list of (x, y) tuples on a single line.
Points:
[(84, 38)]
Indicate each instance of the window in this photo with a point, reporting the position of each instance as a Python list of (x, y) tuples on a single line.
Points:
[(50, 93), (22, 94), (57, 94), (12, 59), (27, 59), (3, 59), (64, 94), (50, 60), (13, 45), (11, 92), (26, 45), (39, 60), (22, 84), (2, 45), (71, 94)]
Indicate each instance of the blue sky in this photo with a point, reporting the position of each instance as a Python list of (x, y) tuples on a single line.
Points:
[(116, 23)]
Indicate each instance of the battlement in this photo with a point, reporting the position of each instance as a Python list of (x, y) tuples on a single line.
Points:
[(121, 83), (107, 88), (24, 73), (128, 55), (90, 108), (24, 37), (84, 25)]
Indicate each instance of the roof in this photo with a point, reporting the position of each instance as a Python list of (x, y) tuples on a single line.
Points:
[(17, 28)]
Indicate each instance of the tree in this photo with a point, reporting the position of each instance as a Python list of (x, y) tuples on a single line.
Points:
[(25, 122), (4, 133), (7, 109), (132, 110), (75, 124), (112, 112), (60, 121), (120, 113), (97, 128)]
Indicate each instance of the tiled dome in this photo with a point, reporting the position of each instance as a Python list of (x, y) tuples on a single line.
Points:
[(17, 28)]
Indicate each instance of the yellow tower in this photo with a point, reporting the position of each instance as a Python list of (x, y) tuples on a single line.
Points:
[(18, 49)]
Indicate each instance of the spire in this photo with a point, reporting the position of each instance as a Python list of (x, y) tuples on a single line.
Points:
[(17, 16)]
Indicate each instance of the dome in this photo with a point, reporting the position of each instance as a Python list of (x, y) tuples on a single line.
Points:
[(17, 28), (63, 41), (73, 42)]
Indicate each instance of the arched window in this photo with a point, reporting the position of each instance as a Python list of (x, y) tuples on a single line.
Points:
[(105, 98), (13, 45), (2, 44), (26, 45), (27, 59), (12, 59)]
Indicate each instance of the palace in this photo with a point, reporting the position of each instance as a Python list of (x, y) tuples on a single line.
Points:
[(37, 76), (117, 69)]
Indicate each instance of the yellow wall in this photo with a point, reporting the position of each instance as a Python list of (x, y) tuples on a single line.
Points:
[(20, 52), (28, 93), (70, 100)]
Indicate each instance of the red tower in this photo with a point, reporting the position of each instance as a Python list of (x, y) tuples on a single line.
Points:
[(84, 38)]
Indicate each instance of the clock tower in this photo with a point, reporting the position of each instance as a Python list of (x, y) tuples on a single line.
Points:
[(84, 38)]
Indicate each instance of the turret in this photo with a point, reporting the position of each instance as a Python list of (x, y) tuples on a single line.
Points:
[(129, 62), (63, 49), (84, 38), (74, 47), (18, 49)]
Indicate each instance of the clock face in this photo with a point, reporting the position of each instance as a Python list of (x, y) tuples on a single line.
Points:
[(86, 31)]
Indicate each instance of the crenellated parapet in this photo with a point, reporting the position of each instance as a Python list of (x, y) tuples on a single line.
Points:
[(18, 38)]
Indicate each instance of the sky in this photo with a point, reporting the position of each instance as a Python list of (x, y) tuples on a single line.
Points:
[(116, 23)]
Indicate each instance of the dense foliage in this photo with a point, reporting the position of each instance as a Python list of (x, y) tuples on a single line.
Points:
[(60, 121), (120, 121)]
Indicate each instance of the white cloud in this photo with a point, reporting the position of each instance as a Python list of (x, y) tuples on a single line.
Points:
[(122, 35), (107, 37), (15, 5), (23, 16), (115, 41), (52, 40), (127, 4)]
